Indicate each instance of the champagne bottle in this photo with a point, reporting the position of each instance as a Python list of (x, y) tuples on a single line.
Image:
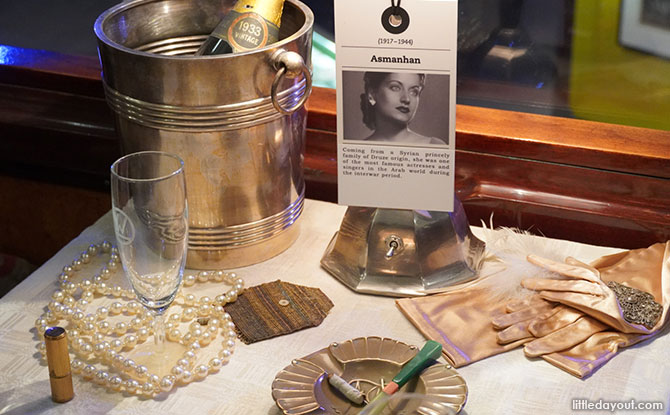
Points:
[(251, 24)]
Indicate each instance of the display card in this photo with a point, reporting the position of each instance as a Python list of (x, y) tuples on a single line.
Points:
[(396, 102)]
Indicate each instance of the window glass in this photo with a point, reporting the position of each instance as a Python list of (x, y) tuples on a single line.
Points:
[(603, 60)]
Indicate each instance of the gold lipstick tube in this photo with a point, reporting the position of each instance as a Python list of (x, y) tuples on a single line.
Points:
[(58, 359)]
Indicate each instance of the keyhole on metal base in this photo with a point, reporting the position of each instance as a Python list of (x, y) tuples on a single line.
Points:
[(394, 244)]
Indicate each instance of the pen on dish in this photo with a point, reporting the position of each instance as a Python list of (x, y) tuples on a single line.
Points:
[(429, 352)]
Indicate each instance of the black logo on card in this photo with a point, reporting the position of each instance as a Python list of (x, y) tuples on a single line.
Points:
[(395, 20)]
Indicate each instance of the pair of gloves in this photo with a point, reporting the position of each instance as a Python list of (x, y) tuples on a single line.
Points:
[(577, 320)]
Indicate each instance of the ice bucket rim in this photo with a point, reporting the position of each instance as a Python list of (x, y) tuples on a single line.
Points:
[(122, 7)]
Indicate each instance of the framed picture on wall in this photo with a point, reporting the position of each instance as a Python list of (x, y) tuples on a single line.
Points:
[(645, 26)]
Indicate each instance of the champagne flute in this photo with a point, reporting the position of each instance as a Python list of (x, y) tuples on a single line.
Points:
[(150, 214)]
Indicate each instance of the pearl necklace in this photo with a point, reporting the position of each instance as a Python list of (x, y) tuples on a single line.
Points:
[(94, 339)]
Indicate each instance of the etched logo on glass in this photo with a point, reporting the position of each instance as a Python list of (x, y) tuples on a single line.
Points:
[(125, 230)]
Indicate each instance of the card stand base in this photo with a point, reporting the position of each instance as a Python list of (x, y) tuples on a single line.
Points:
[(403, 253)]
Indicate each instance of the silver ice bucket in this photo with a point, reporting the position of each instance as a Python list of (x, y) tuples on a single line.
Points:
[(237, 121)]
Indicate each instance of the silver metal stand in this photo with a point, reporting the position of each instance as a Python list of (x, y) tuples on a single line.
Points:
[(403, 253)]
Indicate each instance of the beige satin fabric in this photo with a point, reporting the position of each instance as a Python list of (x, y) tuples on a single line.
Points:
[(645, 269), (585, 287), (461, 321), (584, 358), (548, 327), (565, 337), (471, 327)]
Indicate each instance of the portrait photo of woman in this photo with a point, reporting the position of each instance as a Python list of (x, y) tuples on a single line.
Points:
[(390, 108)]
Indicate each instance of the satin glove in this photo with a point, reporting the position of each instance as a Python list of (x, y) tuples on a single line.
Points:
[(461, 321), (547, 327), (584, 358), (561, 335), (583, 288)]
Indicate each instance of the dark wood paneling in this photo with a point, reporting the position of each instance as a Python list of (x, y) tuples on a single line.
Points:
[(579, 180), (587, 205), (635, 150), (37, 217)]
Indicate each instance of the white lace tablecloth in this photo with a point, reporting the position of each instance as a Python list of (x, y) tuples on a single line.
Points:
[(505, 384)]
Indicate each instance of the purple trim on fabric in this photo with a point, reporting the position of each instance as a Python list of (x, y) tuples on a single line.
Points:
[(445, 338), (592, 365), (584, 362)]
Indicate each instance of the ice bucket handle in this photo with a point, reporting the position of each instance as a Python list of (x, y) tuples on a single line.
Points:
[(290, 65)]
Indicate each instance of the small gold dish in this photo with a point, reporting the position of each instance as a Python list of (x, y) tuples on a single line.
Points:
[(367, 363)]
